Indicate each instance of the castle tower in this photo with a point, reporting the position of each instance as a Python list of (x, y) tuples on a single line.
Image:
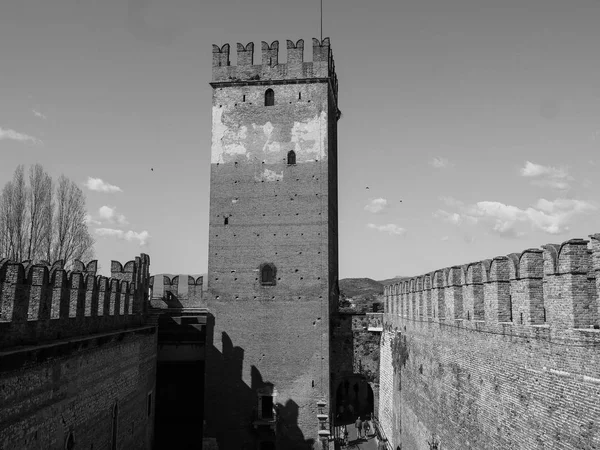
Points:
[(273, 251)]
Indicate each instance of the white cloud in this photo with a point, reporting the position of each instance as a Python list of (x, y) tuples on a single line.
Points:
[(141, 237), (440, 163), (111, 215), (390, 228), (36, 113), (16, 136), (90, 221), (376, 205), (453, 218), (97, 184), (445, 238), (552, 217), (547, 176), (548, 216)]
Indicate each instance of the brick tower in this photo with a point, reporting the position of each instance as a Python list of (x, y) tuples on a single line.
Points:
[(273, 250)]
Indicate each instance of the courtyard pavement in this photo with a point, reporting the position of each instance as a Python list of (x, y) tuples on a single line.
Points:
[(368, 443)]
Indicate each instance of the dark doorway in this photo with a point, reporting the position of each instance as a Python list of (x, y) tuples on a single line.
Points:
[(179, 405)]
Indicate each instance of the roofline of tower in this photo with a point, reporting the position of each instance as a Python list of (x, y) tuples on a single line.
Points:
[(229, 83)]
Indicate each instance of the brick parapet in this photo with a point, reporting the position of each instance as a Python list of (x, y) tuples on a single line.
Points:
[(173, 293), (322, 65), (40, 302), (557, 286)]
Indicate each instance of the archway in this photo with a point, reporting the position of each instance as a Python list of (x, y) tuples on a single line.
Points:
[(353, 397)]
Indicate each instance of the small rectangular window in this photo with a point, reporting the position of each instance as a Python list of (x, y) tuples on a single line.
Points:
[(267, 407)]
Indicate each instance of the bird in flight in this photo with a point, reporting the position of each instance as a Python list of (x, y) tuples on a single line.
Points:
[(152, 169)]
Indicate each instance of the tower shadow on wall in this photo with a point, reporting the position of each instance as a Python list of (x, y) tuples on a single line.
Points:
[(233, 417)]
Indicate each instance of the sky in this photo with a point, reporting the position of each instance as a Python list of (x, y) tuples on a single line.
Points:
[(475, 124)]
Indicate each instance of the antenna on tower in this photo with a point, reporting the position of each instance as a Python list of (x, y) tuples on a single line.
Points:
[(321, 21)]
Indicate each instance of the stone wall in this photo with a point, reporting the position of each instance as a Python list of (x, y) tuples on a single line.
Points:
[(495, 355)]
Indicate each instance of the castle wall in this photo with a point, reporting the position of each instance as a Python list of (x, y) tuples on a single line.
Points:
[(77, 360), (72, 386), (280, 214), (180, 292), (523, 375), (41, 303)]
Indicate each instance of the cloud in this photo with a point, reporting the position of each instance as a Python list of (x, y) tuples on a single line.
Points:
[(445, 238), (7, 133), (392, 229), (141, 237), (453, 218), (98, 185), (111, 215), (36, 113), (440, 163), (549, 216), (377, 205), (90, 221), (546, 176)]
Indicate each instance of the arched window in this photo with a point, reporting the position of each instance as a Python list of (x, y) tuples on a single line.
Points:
[(267, 275), (291, 157), (269, 97)]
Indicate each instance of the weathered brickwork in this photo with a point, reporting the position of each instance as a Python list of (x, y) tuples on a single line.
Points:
[(50, 391), (181, 291), (77, 360), (42, 303), (514, 363), (266, 208)]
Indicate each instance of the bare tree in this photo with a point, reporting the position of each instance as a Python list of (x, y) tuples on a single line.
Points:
[(72, 238), (40, 186), (37, 222), (14, 228)]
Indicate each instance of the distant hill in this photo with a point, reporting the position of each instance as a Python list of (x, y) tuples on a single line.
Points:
[(358, 295), (352, 287), (393, 280)]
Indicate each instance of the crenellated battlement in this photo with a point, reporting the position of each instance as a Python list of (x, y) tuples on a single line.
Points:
[(556, 286), (167, 292), (269, 69), (41, 302)]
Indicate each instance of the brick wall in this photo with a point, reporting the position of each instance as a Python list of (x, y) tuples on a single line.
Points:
[(524, 375), (72, 386), (41, 303), (264, 210), (180, 291)]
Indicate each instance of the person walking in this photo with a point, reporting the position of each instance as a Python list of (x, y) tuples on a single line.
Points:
[(358, 424), (366, 427)]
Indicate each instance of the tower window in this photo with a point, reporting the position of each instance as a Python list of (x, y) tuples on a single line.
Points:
[(226, 221), (269, 97), (267, 406), (291, 157), (268, 274)]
